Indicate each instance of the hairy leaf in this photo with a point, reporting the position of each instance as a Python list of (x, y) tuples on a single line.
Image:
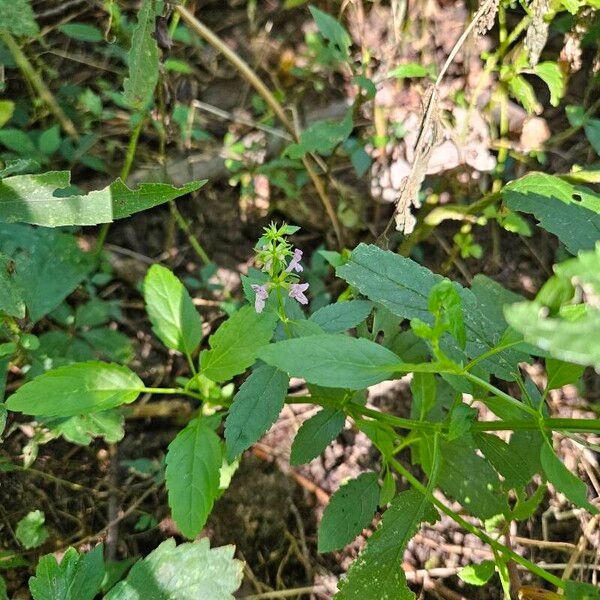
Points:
[(77, 389), (172, 313), (186, 572), (255, 408), (193, 469), (349, 511)]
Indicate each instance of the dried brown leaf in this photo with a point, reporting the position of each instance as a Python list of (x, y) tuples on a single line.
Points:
[(537, 32)]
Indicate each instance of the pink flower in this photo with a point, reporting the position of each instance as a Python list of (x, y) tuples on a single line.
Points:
[(297, 292), (295, 262), (261, 296)]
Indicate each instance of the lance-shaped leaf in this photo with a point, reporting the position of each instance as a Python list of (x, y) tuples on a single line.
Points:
[(255, 408), (190, 571), (377, 572), (77, 389), (571, 212), (37, 199), (349, 511), (316, 434), (172, 313), (142, 59), (235, 345), (333, 360), (193, 462)]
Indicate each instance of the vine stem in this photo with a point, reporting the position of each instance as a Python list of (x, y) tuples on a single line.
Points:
[(254, 80), (497, 546)]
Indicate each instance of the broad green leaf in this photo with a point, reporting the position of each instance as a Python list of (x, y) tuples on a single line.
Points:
[(186, 572), (49, 141), (478, 574), (109, 344), (575, 590), (82, 32), (315, 434), (31, 531), (11, 302), (467, 478), (341, 316), (255, 408), (172, 313), (564, 481), (77, 389), (46, 266), (84, 428), (193, 461), (322, 137), (37, 199), (333, 360), (554, 78), (592, 132), (562, 373), (143, 59), (571, 212), (350, 510), (377, 573), (522, 91), (18, 18), (77, 577), (235, 345), (332, 30), (403, 287), (18, 141)]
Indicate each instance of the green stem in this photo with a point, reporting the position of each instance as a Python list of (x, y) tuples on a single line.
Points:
[(171, 391), (194, 243), (474, 530)]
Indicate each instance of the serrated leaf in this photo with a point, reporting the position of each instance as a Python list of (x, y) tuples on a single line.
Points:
[(403, 287), (235, 345), (31, 531), (564, 481), (522, 91), (84, 428), (478, 574), (186, 572), (77, 577), (77, 389), (562, 373), (571, 212), (332, 360), (377, 573), (193, 461), (143, 59), (174, 317), (350, 510), (255, 408), (322, 137), (35, 199), (315, 434), (554, 78), (18, 17), (341, 316), (332, 30)]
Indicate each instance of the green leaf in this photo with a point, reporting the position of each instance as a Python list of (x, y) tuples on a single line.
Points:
[(7, 109), (11, 301), (77, 389), (562, 373), (315, 434), (37, 199), (522, 91), (174, 317), (18, 141), (341, 316), (193, 461), (49, 141), (424, 391), (332, 30), (31, 531), (377, 573), (350, 510), (83, 429), (77, 577), (554, 78), (143, 59), (592, 132), (571, 212), (478, 574), (563, 480), (82, 32), (235, 345), (410, 70), (333, 360), (581, 591), (46, 266), (321, 137), (3, 590), (403, 287), (186, 572), (255, 408), (18, 17)]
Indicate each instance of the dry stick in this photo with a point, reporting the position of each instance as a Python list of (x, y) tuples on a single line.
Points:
[(38, 84), (252, 78), (581, 546)]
